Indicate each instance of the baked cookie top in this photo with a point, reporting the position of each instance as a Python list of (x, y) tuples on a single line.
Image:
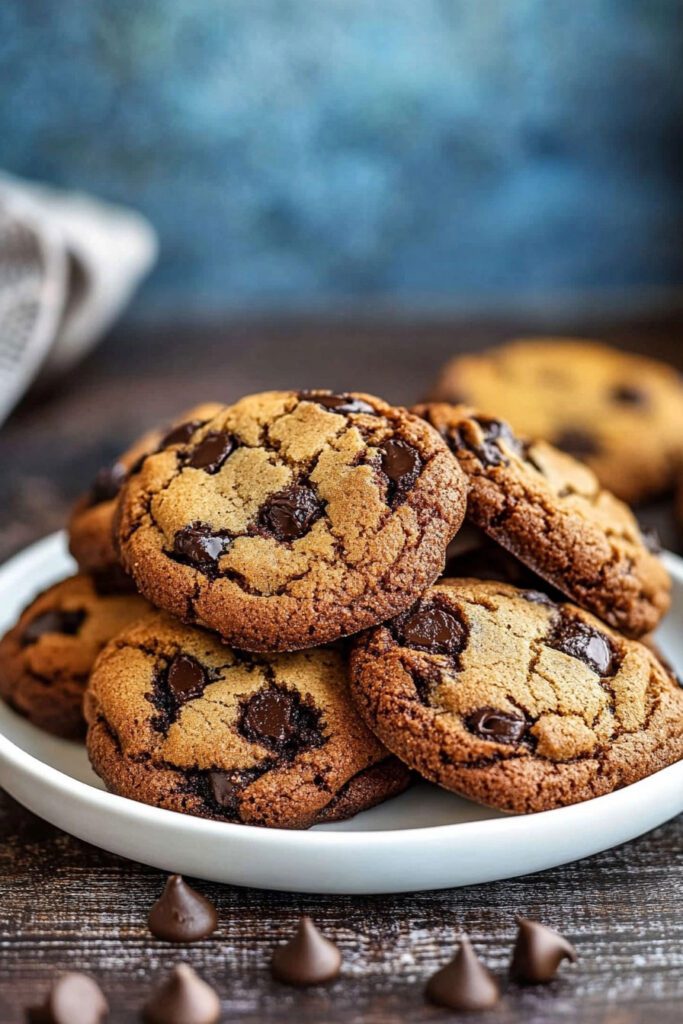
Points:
[(46, 658), (292, 518), (90, 525), (622, 414), (514, 700), (179, 719), (550, 511)]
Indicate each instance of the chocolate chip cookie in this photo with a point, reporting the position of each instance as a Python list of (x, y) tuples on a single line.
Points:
[(621, 414), (515, 700), (90, 525), (550, 512), (292, 518), (178, 719), (45, 660)]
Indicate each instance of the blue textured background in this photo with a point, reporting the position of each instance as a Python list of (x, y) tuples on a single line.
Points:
[(303, 152)]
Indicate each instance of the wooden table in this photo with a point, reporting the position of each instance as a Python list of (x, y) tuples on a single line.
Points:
[(66, 905)]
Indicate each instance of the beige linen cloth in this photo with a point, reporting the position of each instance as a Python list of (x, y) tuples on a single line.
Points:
[(68, 266)]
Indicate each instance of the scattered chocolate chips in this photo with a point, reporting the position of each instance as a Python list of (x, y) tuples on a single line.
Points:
[(212, 451), (290, 514), (67, 623), (185, 678), (280, 721), (180, 434), (464, 984), (577, 442), (75, 998), (199, 546), (538, 952), (401, 464), (346, 404), (496, 726), (108, 483), (628, 394), (579, 640), (307, 959), (432, 629), (181, 914), (183, 998)]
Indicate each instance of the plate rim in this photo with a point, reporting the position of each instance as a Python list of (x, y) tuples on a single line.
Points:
[(15, 757)]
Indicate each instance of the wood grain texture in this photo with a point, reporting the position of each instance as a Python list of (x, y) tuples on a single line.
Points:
[(66, 905)]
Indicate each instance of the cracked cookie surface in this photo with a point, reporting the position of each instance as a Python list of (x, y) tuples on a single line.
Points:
[(621, 414), (550, 511), (46, 658), (293, 518), (178, 719), (90, 525), (514, 700)]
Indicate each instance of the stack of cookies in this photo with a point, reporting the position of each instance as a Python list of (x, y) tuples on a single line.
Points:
[(262, 631)]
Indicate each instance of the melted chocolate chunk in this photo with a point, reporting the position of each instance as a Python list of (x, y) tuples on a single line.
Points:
[(108, 483), (577, 442), (212, 451), (280, 721), (291, 513), (628, 394), (346, 404), (581, 641), (537, 597), (67, 623), (185, 678), (432, 629), (488, 449), (224, 789), (401, 464), (200, 547), (180, 434), (497, 726)]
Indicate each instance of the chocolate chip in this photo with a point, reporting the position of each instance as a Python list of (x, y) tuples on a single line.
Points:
[(401, 464), (291, 513), (67, 623), (432, 629), (464, 984), (180, 434), (628, 394), (212, 451), (75, 998), (487, 447), (538, 952), (537, 597), (577, 442), (346, 404), (185, 678), (307, 959), (584, 642), (199, 546), (280, 721), (225, 791), (108, 483), (181, 914), (183, 999), (497, 726)]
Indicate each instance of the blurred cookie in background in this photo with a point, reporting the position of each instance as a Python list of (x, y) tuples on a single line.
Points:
[(46, 658), (622, 414)]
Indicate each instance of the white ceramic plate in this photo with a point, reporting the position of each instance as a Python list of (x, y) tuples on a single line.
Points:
[(424, 839)]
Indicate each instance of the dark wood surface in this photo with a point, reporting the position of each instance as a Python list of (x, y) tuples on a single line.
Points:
[(66, 905)]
